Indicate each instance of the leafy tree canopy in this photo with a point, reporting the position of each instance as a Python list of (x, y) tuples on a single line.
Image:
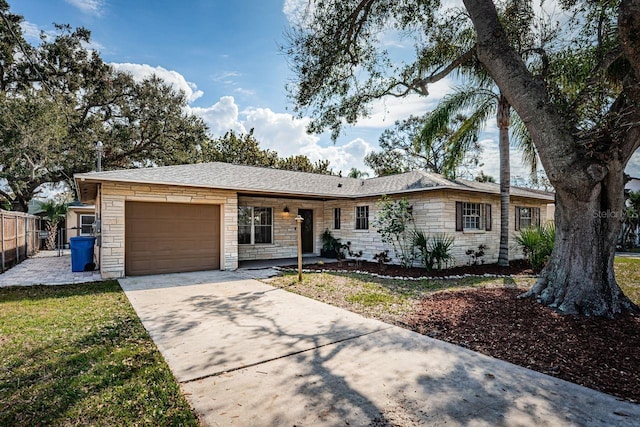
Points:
[(402, 148), (58, 98), (576, 87), (244, 149)]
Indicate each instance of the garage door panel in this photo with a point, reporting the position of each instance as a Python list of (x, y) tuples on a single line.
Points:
[(171, 237)]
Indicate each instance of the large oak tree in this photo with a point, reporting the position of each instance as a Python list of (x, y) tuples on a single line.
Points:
[(58, 98), (579, 97)]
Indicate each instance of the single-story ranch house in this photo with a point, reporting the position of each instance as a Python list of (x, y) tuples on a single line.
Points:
[(212, 215)]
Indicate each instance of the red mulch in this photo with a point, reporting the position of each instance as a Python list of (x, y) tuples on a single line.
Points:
[(516, 268), (602, 354)]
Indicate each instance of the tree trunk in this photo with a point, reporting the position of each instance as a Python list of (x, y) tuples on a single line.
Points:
[(579, 276), (50, 242), (504, 120)]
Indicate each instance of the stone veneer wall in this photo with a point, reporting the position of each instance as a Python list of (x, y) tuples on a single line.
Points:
[(285, 243), (112, 198), (434, 212)]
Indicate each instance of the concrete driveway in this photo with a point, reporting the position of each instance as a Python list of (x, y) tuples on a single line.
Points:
[(248, 354)]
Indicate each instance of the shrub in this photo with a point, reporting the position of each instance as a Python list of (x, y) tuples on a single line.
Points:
[(392, 223), (356, 255), (331, 247), (475, 257), (382, 258), (441, 244), (537, 244), (434, 249)]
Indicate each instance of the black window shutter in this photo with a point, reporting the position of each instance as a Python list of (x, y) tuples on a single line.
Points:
[(517, 221), (487, 217), (458, 216), (536, 212)]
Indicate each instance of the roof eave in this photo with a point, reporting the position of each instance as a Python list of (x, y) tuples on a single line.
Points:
[(454, 188), (83, 179), (87, 179)]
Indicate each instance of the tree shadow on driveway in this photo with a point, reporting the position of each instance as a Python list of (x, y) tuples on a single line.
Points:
[(250, 354)]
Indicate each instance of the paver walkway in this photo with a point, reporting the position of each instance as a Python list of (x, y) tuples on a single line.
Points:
[(248, 354), (46, 268)]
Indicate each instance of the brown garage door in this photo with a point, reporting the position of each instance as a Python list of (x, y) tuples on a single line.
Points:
[(171, 238)]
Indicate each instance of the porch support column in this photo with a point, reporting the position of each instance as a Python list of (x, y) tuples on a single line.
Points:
[(299, 220)]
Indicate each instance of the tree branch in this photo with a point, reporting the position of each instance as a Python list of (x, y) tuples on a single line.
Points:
[(549, 129), (6, 195), (437, 76), (596, 75), (629, 28), (356, 23)]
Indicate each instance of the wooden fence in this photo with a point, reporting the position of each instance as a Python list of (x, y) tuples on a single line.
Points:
[(19, 237)]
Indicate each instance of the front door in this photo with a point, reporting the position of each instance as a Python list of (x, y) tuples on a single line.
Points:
[(307, 230)]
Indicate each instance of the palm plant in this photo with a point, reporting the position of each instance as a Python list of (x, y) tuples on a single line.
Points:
[(440, 247), (537, 244), (434, 250), (484, 103), (482, 97), (421, 242), (54, 213)]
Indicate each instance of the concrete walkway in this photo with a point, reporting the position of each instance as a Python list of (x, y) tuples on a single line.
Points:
[(46, 268), (248, 354)]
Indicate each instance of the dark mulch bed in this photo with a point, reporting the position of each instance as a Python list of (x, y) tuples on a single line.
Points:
[(516, 268), (598, 353)]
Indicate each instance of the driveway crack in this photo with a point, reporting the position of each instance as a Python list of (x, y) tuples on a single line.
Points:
[(262, 362)]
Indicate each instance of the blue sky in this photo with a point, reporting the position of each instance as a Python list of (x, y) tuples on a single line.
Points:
[(225, 56)]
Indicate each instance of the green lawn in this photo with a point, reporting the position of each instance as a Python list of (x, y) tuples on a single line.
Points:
[(388, 300), (628, 276), (383, 299), (78, 355)]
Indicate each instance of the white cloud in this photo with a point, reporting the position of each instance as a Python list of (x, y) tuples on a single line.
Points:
[(92, 7), (226, 77), (30, 31), (287, 135), (177, 80), (245, 92), (341, 157), (279, 131), (283, 133), (221, 116)]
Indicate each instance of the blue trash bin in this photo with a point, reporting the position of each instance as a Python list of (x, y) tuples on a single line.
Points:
[(82, 253)]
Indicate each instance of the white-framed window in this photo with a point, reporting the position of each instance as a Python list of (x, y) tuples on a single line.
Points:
[(337, 213), (527, 217), (255, 225), (362, 217), (471, 216), (86, 224)]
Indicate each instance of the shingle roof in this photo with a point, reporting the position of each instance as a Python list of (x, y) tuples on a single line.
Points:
[(253, 179)]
